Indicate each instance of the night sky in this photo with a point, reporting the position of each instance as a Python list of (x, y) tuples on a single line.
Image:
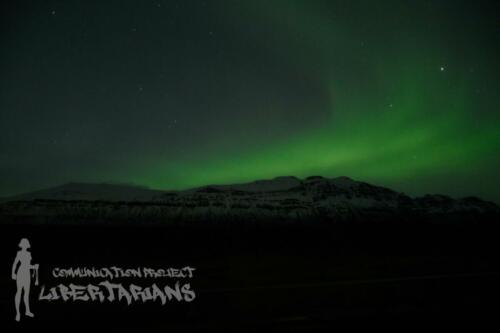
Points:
[(175, 94)]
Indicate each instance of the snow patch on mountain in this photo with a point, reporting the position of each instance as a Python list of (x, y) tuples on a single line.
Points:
[(281, 197)]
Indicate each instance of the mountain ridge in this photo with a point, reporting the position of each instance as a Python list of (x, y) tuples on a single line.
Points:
[(282, 198)]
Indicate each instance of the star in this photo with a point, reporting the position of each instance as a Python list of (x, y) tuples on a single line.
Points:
[(441, 69), (53, 12)]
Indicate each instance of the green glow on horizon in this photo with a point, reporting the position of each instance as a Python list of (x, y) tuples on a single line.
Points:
[(409, 121), (388, 144)]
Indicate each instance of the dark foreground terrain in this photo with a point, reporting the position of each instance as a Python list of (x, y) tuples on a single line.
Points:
[(284, 254), (254, 277)]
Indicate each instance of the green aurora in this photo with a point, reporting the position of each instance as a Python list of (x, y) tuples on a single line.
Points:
[(405, 116), (398, 93)]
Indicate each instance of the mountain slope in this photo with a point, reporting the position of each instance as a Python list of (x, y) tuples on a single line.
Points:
[(87, 191), (283, 198)]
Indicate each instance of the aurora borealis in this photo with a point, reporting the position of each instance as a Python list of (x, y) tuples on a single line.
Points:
[(176, 94)]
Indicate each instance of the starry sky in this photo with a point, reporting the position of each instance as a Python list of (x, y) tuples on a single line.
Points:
[(176, 94)]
